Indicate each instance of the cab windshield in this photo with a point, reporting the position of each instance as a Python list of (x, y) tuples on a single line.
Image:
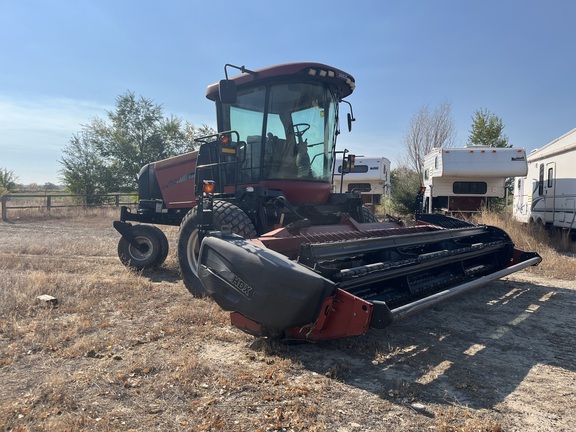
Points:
[(289, 130)]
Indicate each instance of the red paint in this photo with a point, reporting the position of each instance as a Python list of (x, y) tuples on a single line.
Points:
[(342, 315), (176, 180)]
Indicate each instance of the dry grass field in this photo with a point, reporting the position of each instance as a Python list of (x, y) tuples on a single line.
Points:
[(134, 351)]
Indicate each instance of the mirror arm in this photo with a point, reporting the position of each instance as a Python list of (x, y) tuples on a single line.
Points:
[(240, 68)]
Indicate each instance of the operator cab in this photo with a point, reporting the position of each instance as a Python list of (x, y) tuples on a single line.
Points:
[(286, 118)]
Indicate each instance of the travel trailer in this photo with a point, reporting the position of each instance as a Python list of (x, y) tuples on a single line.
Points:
[(458, 181), (547, 194), (370, 176)]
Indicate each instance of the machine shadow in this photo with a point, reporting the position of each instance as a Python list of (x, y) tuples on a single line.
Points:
[(162, 274), (474, 350)]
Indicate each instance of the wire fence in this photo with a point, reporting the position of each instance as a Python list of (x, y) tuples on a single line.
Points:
[(49, 202)]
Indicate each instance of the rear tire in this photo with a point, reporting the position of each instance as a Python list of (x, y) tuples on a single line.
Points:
[(223, 213), (156, 245)]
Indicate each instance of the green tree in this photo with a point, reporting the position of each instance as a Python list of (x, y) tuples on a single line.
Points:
[(7, 181), (192, 132), (138, 133), (405, 184), (106, 156), (84, 170), (487, 130)]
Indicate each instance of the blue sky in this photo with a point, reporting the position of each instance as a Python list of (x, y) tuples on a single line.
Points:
[(63, 62)]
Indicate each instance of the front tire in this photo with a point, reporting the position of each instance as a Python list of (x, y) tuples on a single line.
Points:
[(368, 216), (223, 213), (155, 244)]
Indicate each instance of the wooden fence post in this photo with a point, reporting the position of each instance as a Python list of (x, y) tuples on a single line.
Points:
[(4, 209)]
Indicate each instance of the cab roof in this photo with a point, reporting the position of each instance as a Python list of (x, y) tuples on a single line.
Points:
[(321, 72)]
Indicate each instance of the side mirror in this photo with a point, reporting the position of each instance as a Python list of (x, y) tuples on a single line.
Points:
[(241, 151), (227, 91), (348, 164), (350, 115)]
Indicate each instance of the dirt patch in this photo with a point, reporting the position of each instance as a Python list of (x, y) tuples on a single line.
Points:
[(506, 349), (134, 351)]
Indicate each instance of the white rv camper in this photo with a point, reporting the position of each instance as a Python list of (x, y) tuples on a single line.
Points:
[(370, 176), (459, 180), (547, 194)]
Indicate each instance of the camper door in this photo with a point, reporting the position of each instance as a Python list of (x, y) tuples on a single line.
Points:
[(550, 191), (520, 199)]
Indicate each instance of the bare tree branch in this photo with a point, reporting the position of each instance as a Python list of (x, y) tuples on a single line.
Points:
[(428, 130)]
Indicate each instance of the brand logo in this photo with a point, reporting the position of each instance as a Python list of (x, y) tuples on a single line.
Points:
[(241, 286)]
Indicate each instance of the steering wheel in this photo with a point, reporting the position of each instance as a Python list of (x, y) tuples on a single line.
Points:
[(299, 132)]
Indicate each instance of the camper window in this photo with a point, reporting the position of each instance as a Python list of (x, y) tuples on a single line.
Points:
[(355, 169), (469, 188), (550, 177)]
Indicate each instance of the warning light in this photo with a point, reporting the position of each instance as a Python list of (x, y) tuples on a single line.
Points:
[(208, 186), (225, 139)]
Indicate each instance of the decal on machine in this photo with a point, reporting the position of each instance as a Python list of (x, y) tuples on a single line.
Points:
[(182, 179), (241, 286)]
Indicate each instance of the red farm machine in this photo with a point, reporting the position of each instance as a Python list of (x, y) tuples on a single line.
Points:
[(263, 233)]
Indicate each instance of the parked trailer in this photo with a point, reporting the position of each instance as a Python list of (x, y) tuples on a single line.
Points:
[(458, 181), (370, 176), (546, 195)]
